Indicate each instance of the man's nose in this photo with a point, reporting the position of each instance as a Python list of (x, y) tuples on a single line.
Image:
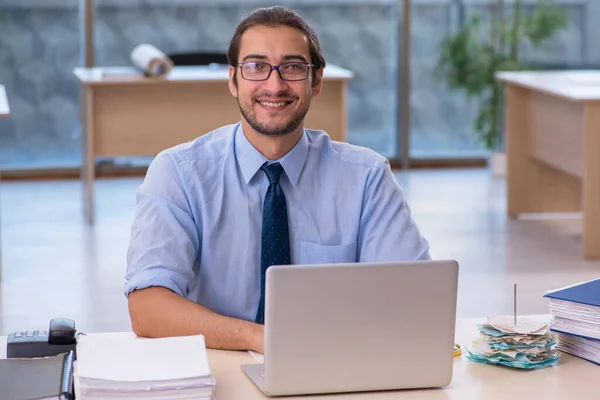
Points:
[(275, 83)]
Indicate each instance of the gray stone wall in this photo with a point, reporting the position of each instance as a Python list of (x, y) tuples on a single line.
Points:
[(38, 50), (39, 47)]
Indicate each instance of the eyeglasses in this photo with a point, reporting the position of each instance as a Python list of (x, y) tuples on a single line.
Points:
[(261, 71)]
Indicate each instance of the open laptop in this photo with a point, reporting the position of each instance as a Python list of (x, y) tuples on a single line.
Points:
[(357, 327)]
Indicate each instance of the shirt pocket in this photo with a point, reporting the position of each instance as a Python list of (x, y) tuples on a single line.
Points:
[(312, 253)]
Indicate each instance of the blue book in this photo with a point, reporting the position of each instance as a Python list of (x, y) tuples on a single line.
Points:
[(585, 293), (576, 309)]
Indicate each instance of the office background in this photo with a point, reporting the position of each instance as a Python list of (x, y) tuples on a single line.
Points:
[(50, 252), (42, 41)]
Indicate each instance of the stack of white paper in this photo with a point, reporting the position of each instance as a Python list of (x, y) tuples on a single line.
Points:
[(529, 344), (125, 367), (586, 348)]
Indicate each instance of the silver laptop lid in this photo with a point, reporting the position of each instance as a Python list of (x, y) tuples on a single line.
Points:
[(360, 326)]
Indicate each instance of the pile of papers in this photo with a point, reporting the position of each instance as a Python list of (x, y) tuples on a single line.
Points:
[(529, 344), (111, 366), (582, 347), (576, 313)]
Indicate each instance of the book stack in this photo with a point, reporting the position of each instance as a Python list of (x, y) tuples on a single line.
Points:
[(526, 344), (124, 366), (576, 313)]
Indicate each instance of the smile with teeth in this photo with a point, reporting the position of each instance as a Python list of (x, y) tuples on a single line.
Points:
[(274, 104), (269, 104)]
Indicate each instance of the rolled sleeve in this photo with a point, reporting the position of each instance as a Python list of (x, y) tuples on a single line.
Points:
[(164, 239), (388, 231), (158, 276)]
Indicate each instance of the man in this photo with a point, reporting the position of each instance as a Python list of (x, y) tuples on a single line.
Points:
[(214, 213)]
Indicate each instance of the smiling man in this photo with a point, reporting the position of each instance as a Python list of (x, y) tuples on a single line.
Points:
[(213, 214)]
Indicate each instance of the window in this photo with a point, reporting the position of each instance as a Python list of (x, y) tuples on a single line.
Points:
[(39, 47)]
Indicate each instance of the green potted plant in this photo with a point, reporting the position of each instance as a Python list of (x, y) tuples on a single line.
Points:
[(470, 58)]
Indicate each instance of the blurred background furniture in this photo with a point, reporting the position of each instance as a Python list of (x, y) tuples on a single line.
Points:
[(198, 58), (553, 146), (4, 112)]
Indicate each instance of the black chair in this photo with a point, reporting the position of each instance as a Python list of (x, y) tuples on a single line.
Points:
[(198, 58)]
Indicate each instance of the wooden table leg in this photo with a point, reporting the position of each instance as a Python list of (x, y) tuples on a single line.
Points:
[(533, 186), (87, 153), (591, 181), (518, 166)]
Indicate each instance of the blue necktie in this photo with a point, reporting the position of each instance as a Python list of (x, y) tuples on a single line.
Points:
[(275, 245)]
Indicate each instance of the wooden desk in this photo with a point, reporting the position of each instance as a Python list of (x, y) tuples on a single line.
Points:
[(4, 112), (571, 378), (553, 146), (126, 114)]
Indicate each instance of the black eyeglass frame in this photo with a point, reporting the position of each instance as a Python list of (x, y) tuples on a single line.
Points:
[(277, 68)]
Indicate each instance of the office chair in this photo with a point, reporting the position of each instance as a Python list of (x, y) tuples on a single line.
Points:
[(198, 58)]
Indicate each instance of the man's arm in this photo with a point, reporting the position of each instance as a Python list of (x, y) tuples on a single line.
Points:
[(387, 229), (158, 312), (164, 244)]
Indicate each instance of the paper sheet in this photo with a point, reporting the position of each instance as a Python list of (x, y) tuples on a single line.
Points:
[(257, 356), (131, 359), (528, 344)]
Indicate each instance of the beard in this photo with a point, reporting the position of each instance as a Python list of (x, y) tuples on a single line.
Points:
[(273, 128)]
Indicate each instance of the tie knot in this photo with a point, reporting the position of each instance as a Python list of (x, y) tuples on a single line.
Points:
[(273, 172)]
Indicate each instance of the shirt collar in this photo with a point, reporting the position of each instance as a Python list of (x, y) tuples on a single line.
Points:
[(250, 160)]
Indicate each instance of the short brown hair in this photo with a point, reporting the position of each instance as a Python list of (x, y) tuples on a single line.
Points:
[(273, 17)]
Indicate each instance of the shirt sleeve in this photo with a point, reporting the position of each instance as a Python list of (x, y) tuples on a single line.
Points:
[(387, 229), (164, 240)]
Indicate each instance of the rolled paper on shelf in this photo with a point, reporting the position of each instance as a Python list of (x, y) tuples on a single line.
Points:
[(151, 61)]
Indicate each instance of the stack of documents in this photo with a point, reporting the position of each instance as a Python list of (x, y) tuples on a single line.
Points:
[(529, 344), (111, 366), (576, 313), (586, 348)]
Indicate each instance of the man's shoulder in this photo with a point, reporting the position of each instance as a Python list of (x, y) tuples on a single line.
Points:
[(210, 146), (344, 153)]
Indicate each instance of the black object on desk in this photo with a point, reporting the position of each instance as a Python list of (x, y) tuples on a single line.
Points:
[(37, 378), (60, 338), (198, 58)]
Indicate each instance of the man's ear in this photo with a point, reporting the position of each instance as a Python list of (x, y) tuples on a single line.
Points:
[(318, 84), (233, 81)]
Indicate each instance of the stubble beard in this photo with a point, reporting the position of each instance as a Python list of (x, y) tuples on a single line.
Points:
[(273, 130)]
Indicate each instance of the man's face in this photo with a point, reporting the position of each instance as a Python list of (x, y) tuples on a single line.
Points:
[(273, 107)]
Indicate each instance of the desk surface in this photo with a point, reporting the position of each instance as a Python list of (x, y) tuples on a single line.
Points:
[(570, 378), (572, 85), (4, 108), (181, 74)]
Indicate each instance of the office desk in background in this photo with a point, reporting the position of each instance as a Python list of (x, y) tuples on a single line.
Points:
[(4, 112), (125, 114), (553, 146), (571, 378)]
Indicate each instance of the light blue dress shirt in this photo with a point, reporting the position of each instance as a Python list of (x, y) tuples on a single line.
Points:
[(197, 227)]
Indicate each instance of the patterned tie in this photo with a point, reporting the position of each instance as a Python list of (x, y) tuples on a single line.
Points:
[(275, 247)]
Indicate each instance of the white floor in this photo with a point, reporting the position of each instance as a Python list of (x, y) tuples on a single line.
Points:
[(54, 265)]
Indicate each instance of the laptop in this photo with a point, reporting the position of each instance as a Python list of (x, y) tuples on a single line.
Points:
[(357, 327)]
